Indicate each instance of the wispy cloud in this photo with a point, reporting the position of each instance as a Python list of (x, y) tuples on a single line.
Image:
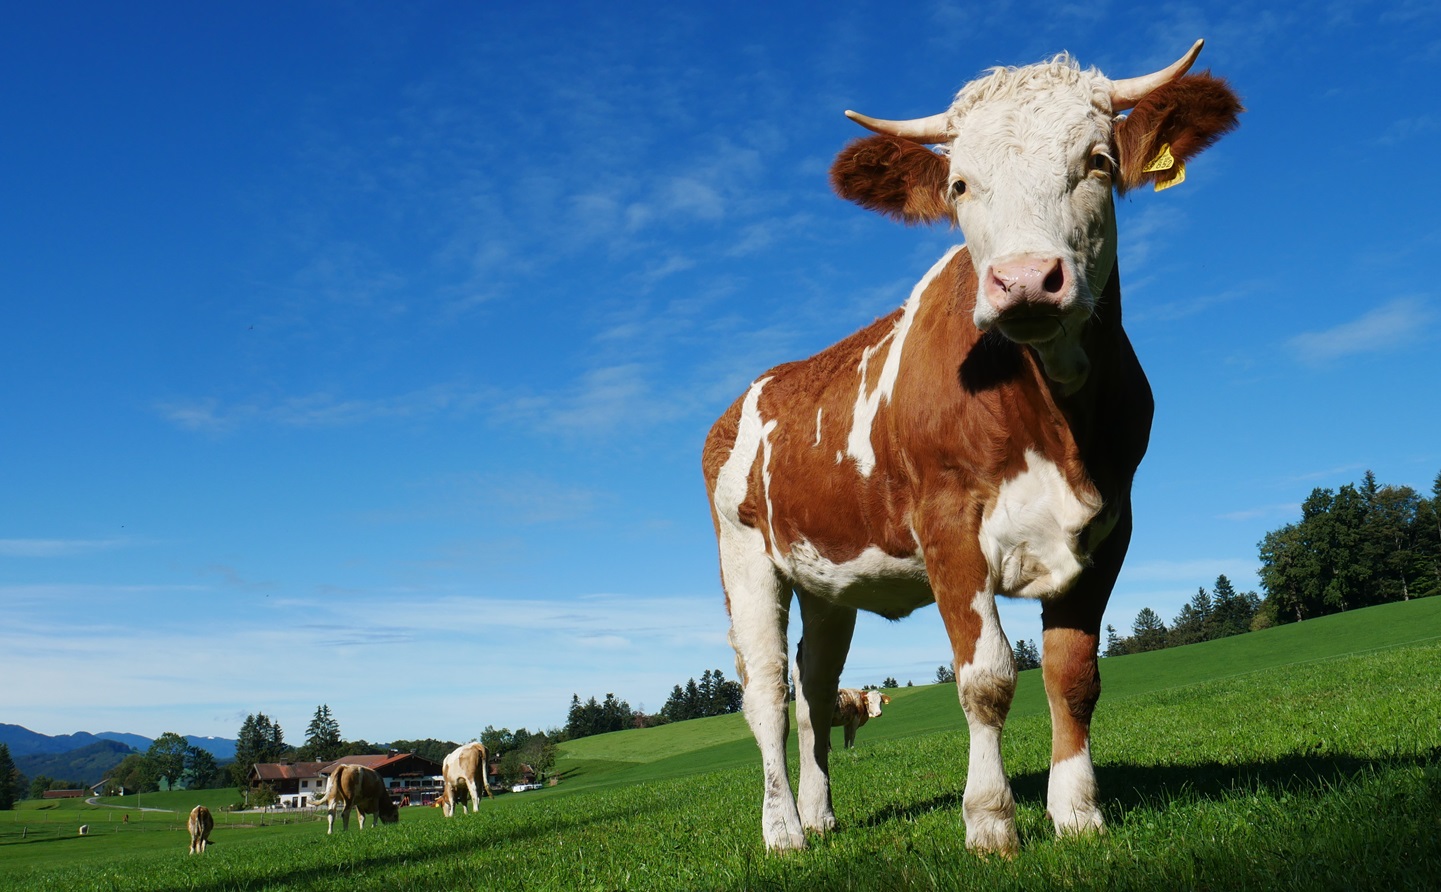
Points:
[(1278, 510), (49, 548), (212, 415), (1400, 322), (1408, 130)]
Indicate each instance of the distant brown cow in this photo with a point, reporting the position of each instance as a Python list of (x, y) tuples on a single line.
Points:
[(200, 824), (463, 766), (854, 708), (357, 788)]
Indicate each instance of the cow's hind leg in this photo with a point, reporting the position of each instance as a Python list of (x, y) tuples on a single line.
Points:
[(759, 602), (474, 796), (825, 641)]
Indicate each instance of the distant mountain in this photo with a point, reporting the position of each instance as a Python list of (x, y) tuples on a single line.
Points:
[(87, 765), (222, 748), (135, 740), (24, 742)]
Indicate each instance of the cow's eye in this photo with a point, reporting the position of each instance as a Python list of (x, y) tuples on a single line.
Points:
[(1101, 163), (958, 188)]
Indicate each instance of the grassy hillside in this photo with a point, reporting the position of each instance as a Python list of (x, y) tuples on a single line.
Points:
[(1306, 757), (725, 741)]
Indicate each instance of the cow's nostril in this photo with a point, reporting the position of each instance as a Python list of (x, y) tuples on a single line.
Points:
[(1055, 280)]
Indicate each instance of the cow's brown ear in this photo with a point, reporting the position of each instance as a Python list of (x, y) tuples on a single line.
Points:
[(1172, 124), (894, 176)]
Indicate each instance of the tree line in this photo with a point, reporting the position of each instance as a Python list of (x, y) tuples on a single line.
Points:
[(714, 694), (1356, 546), (1207, 616)]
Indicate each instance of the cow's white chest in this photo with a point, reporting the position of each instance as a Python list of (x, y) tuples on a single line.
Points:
[(1031, 537), (873, 580)]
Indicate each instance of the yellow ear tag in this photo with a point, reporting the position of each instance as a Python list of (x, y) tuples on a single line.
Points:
[(1162, 161), (1178, 179)]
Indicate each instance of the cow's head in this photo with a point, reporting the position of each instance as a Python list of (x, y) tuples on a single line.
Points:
[(1027, 161), (874, 701), (387, 810)]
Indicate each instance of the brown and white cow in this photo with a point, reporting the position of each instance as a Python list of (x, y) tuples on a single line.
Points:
[(854, 708), (356, 788), (200, 825), (464, 764), (979, 441)]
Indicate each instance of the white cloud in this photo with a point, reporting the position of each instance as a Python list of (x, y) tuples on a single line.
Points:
[(316, 410), (1392, 325), (1278, 510), (44, 548)]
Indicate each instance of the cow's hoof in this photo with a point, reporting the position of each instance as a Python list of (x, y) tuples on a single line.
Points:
[(995, 839), (786, 843), (1080, 823)]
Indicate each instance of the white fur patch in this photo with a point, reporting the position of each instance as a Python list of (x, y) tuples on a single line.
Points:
[(989, 806), (868, 403), (1031, 536), (1071, 795), (872, 580)]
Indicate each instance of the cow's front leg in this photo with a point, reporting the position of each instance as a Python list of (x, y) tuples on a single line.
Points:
[(825, 641), (986, 682), (1073, 685), (1071, 635), (759, 602)]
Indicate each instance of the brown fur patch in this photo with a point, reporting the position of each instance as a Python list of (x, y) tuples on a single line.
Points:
[(1073, 687), (987, 698), (895, 177), (1188, 114)]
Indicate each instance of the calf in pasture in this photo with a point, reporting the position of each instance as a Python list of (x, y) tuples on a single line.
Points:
[(200, 825), (854, 708), (355, 787), (979, 441), (461, 768)]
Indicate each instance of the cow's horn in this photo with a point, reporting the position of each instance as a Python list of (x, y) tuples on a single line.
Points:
[(933, 129), (1126, 93)]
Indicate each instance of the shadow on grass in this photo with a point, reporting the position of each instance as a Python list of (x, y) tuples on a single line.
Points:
[(1126, 788)]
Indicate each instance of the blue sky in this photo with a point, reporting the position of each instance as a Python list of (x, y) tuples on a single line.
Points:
[(361, 353)]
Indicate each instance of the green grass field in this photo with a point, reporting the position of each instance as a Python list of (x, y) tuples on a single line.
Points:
[(1304, 757)]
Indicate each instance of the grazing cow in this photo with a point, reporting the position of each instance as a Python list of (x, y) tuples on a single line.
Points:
[(84, 829), (462, 767), (854, 708), (355, 787), (200, 825), (979, 441)]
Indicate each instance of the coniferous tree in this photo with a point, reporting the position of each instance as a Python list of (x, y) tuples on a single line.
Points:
[(9, 779), (260, 740), (1027, 656), (1115, 644), (322, 736), (1148, 632), (1192, 624), (1231, 613)]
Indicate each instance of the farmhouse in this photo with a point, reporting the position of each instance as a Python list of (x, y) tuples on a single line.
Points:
[(411, 779)]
